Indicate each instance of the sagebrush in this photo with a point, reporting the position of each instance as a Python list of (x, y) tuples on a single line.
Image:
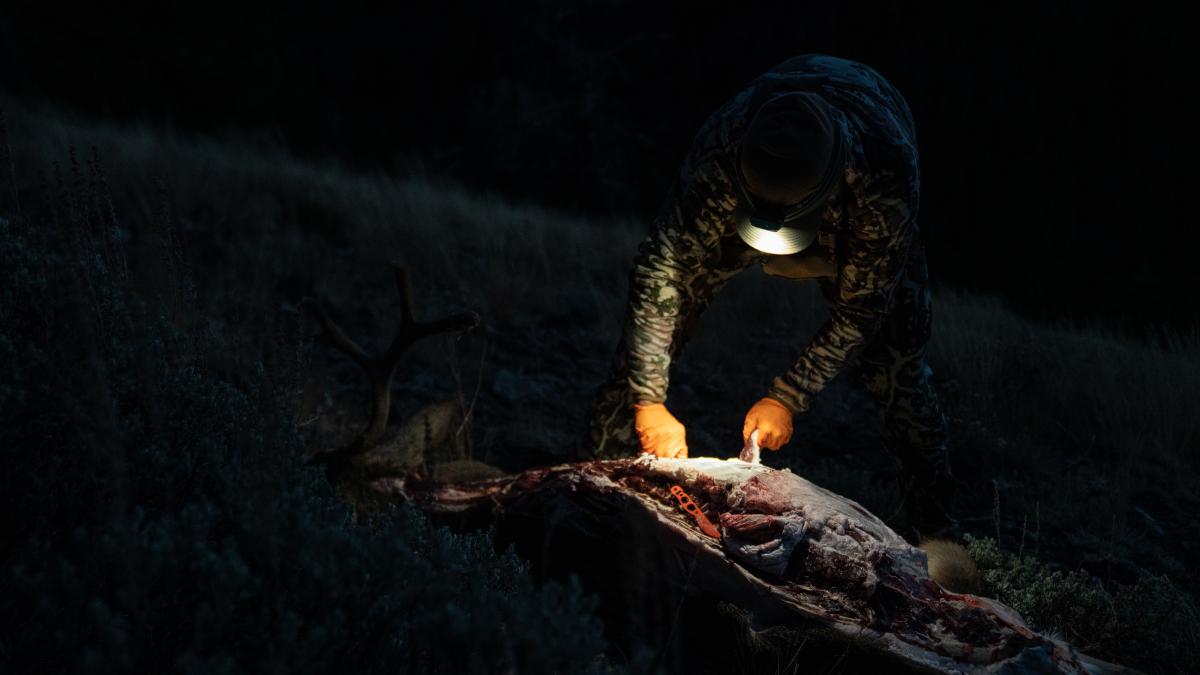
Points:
[(1149, 624), (162, 516)]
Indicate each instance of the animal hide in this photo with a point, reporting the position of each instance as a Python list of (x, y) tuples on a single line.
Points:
[(789, 554)]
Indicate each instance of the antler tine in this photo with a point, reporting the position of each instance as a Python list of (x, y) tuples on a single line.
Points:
[(411, 330), (455, 323), (335, 336), (404, 288), (380, 369)]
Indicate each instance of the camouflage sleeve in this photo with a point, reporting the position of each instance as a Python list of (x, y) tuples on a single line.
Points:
[(697, 210), (880, 212)]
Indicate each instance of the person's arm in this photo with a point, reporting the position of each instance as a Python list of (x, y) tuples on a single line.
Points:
[(697, 211), (881, 214)]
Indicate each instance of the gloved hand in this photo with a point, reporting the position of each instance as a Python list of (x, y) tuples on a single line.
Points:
[(773, 421), (658, 430)]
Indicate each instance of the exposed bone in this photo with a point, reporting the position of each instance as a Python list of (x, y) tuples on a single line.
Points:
[(750, 453), (791, 553)]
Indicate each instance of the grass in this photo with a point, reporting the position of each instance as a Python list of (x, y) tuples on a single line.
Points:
[(164, 519), (1073, 443)]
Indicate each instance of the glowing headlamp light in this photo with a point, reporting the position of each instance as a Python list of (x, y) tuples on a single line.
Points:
[(784, 230)]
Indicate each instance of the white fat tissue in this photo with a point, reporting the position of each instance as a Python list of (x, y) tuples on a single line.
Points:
[(840, 537)]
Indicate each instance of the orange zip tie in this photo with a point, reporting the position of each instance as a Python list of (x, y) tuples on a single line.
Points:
[(689, 506)]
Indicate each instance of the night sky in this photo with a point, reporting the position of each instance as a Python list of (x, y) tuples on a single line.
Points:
[(1053, 137)]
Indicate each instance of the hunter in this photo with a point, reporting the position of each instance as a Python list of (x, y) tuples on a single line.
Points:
[(811, 172)]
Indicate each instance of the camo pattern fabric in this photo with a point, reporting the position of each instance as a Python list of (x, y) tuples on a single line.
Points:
[(894, 371), (878, 300)]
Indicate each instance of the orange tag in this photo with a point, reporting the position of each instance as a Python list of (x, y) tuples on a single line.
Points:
[(689, 506)]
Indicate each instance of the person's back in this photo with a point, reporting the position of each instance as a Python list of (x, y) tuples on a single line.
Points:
[(811, 171), (849, 86)]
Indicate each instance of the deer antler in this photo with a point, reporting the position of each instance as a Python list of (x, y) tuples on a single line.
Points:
[(380, 369)]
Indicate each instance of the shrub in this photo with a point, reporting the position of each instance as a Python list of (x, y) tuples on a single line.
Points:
[(1150, 624), (165, 521)]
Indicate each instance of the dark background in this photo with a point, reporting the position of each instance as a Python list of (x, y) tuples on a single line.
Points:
[(1053, 136)]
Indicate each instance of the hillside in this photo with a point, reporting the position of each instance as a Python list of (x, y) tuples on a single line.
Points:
[(1075, 446)]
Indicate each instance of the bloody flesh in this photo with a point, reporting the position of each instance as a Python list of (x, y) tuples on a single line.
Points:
[(788, 552)]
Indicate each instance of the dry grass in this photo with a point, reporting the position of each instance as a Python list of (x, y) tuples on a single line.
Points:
[(952, 566), (259, 202), (1088, 440), (1130, 401)]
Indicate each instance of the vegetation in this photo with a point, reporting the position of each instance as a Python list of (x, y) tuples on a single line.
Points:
[(591, 105), (1149, 624), (160, 390), (164, 519)]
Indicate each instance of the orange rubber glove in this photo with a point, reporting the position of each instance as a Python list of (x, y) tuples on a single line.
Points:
[(773, 421), (660, 433)]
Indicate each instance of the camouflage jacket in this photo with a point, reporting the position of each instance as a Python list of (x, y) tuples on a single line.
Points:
[(869, 228)]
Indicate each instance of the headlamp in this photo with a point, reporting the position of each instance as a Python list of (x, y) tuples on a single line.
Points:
[(783, 230)]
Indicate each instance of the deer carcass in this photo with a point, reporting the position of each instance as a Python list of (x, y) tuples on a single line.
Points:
[(652, 535), (787, 551)]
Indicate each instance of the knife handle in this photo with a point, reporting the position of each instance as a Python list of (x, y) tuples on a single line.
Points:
[(690, 507)]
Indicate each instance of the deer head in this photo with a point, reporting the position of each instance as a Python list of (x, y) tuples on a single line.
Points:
[(380, 370)]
